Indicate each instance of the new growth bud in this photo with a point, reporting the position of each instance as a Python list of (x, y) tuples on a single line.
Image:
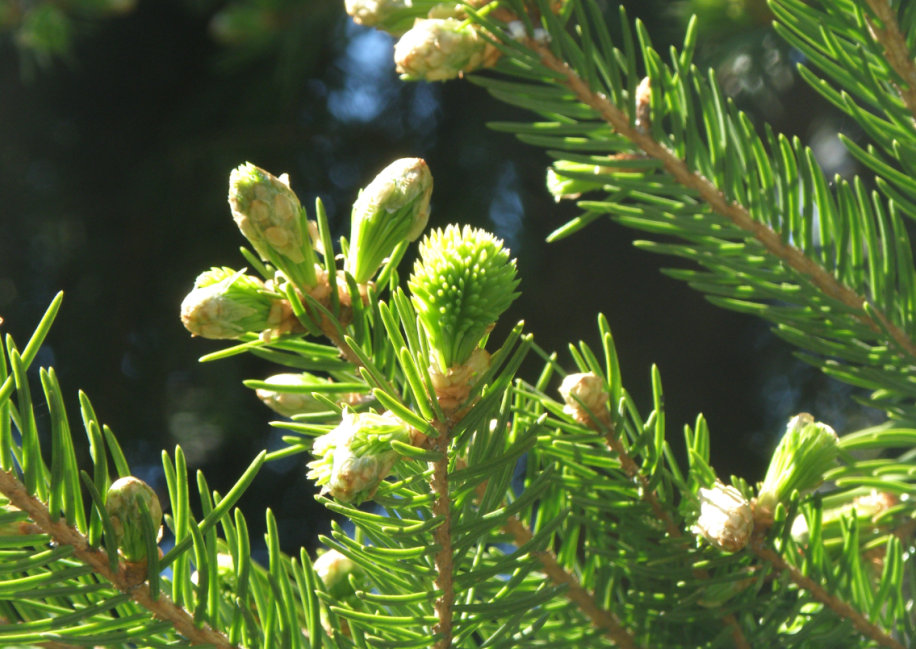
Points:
[(393, 208), (439, 49), (392, 16), (453, 386), (227, 304), (461, 284), (726, 519), (805, 453), (584, 394), (334, 570), (289, 403), (563, 188), (269, 215), (126, 518), (356, 456)]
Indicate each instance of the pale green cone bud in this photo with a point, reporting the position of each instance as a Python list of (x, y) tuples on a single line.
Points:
[(289, 403), (356, 456), (392, 208), (126, 519), (227, 304), (584, 393), (441, 49), (805, 453), (268, 213), (726, 520), (867, 509), (334, 570), (392, 16), (461, 284)]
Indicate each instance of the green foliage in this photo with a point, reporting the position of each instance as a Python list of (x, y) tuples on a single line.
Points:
[(500, 516)]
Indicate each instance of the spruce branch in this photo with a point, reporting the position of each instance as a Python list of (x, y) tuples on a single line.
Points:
[(575, 593), (124, 579), (772, 241), (836, 605), (896, 49), (605, 427), (443, 536)]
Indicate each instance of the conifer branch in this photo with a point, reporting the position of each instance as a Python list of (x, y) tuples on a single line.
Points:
[(575, 593), (124, 580), (443, 536), (606, 427), (836, 605), (895, 47), (772, 241)]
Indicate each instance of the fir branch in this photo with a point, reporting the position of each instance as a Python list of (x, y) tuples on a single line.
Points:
[(575, 593), (328, 329), (443, 536), (737, 214), (124, 580), (629, 466), (836, 605), (895, 47)]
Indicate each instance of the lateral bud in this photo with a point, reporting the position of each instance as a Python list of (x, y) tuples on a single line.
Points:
[(726, 520), (126, 518)]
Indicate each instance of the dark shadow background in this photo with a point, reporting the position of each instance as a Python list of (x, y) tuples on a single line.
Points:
[(113, 177)]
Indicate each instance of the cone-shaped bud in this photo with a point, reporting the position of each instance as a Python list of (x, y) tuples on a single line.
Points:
[(226, 304), (726, 519), (584, 393), (334, 570), (462, 282), (269, 215), (392, 16), (288, 398), (393, 208), (441, 49), (805, 453), (126, 519), (356, 456)]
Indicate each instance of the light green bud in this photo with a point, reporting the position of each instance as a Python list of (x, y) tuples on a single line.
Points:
[(461, 284), (726, 520), (126, 518), (356, 456), (440, 49), (584, 393), (805, 453), (392, 208), (268, 213), (334, 570), (287, 402), (226, 304)]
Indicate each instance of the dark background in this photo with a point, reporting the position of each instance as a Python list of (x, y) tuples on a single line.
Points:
[(114, 164)]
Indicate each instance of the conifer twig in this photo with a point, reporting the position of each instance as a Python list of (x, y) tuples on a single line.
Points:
[(836, 605), (737, 214), (443, 536), (896, 49), (162, 608), (575, 593), (629, 466)]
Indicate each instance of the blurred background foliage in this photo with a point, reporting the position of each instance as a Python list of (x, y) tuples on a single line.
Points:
[(120, 121)]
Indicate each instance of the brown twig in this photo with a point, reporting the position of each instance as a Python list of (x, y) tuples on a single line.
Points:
[(162, 608), (737, 214), (629, 466), (575, 593), (443, 536), (896, 49), (838, 606), (600, 618)]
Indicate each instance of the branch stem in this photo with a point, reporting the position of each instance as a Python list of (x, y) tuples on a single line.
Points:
[(737, 214), (162, 608), (896, 49), (839, 607), (443, 536)]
